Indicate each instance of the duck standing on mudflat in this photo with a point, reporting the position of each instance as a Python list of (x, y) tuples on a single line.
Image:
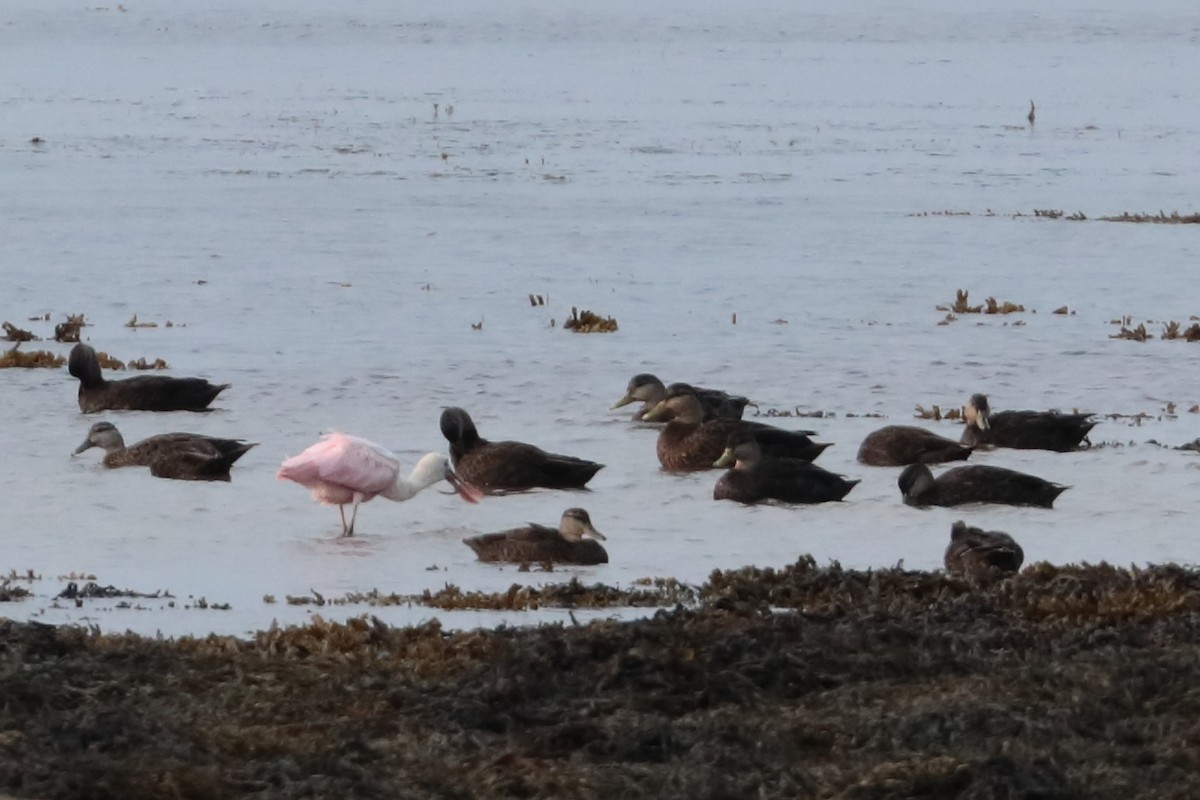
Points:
[(509, 466), (1024, 430), (535, 544), (689, 443), (651, 391), (140, 393), (900, 445), (181, 456), (976, 552), (976, 483), (755, 477)]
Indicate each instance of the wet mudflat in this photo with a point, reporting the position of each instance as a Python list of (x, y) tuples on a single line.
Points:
[(798, 682)]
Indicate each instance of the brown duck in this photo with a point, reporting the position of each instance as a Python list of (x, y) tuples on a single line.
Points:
[(1024, 430), (900, 445), (755, 477), (976, 552), (182, 456), (535, 543), (141, 393), (509, 466), (976, 484), (651, 391), (687, 442)]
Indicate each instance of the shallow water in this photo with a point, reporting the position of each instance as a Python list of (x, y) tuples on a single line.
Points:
[(277, 182)]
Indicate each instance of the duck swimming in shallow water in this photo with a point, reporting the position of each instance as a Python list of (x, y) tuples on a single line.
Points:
[(755, 477), (509, 466), (182, 456), (687, 442), (1024, 430), (900, 445), (976, 552), (535, 543), (976, 484), (141, 393), (342, 469), (651, 391)]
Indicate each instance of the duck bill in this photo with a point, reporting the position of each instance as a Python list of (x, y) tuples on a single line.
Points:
[(726, 459), (87, 444), (466, 491), (595, 534), (624, 401), (659, 412)]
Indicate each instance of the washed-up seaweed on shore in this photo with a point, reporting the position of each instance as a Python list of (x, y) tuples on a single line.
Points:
[(806, 681)]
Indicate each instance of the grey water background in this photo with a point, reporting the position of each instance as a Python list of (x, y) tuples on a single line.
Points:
[(324, 199)]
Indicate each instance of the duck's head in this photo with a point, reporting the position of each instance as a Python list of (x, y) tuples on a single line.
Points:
[(977, 411), (741, 450), (104, 435), (576, 524), (680, 403), (457, 426), (644, 387), (914, 481)]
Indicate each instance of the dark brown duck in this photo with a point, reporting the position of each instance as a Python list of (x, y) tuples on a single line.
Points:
[(572, 543), (650, 391), (140, 393), (687, 442), (979, 553), (509, 466), (1024, 430), (900, 445), (755, 477), (976, 484), (181, 456)]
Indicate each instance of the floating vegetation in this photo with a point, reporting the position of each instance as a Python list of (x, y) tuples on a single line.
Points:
[(1058, 683), (936, 413), (537, 299), (1174, 218), (69, 331), (1161, 218), (10, 592), (91, 589), (589, 322), (142, 363), (1175, 330), (30, 359), (962, 305), (133, 323), (14, 334), (1137, 334)]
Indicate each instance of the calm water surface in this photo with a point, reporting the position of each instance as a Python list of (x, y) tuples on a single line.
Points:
[(324, 200)]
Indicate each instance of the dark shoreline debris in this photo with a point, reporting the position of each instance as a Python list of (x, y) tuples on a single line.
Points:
[(805, 681)]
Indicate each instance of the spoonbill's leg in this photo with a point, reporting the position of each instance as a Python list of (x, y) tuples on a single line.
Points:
[(353, 515), (342, 514)]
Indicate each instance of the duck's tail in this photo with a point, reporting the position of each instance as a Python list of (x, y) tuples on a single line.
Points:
[(84, 365)]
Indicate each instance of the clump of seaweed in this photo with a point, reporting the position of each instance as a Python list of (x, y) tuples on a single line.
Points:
[(1175, 330), (936, 413), (962, 305), (69, 331), (10, 592), (589, 322), (1174, 218), (142, 363), (14, 357), (1137, 334), (133, 323), (14, 334)]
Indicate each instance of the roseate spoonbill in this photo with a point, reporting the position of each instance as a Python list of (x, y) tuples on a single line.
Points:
[(341, 469)]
